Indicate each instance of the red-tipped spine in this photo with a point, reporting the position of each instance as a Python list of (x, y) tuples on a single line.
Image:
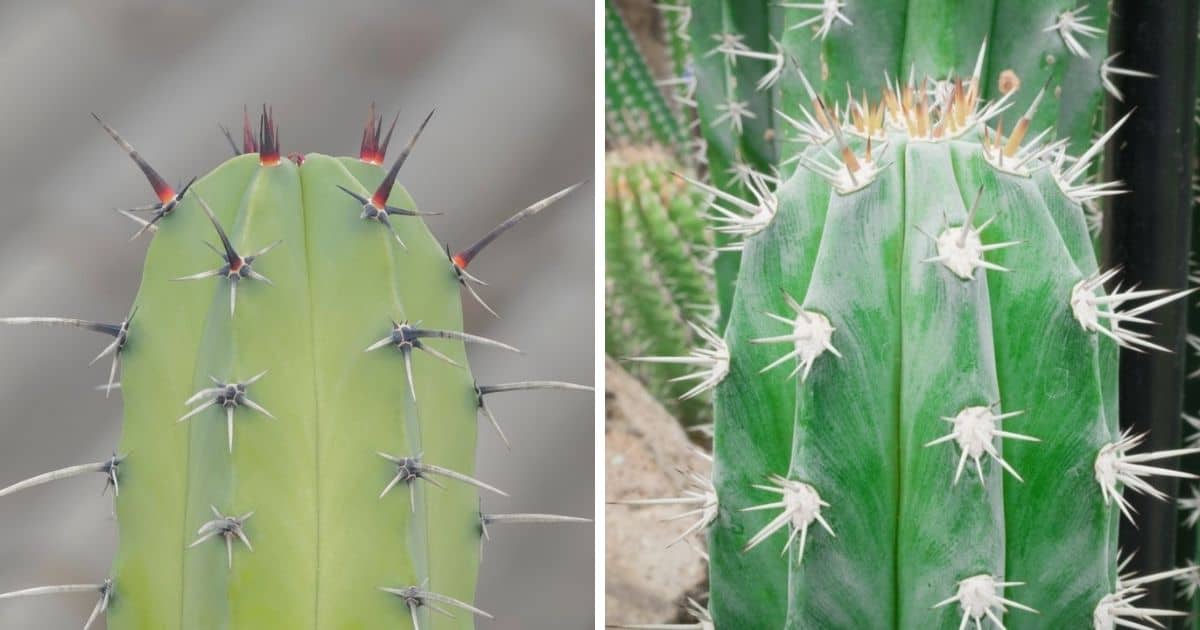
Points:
[(379, 199), (369, 149), (464, 258), (162, 189), (268, 138), (373, 150)]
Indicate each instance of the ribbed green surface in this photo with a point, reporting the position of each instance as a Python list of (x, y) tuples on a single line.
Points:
[(918, 343), (323, 539)]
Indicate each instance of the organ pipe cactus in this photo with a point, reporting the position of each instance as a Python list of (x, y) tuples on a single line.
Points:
[(299, 414), (915, 393)]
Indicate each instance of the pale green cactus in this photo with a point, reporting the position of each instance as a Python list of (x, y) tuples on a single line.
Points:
[(300, 418)]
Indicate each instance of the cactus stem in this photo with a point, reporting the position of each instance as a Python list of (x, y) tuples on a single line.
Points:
[(236, 267), (830, 11), (1107, 70), (1116, 468), (1071, 24), (415, 598), (1085, 306), (105, 590), (801, 506), (168, 199), (484, 390), (411, 469), (980, 596), (109, 467), (372, 150), (975, 428), (811, 336), (228, 528), (119, 332), (712, 361), (230, 396)]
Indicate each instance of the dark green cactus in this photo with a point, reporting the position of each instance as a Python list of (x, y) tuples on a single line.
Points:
[(272, 393), (915, 394)]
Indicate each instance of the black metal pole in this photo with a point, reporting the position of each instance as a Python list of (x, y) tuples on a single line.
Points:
[(1148, 232)]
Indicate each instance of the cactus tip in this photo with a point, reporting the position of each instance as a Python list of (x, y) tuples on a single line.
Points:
[(268, 137)]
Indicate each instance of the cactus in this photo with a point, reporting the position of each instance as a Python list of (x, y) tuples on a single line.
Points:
[(658, 273), (760, 66), (299, 414), (915, 393)]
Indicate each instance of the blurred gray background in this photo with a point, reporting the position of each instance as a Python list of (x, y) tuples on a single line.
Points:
[(513, 84)]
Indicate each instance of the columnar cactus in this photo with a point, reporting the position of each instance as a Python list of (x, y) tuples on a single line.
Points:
[(658, 272), (915, 394), (299, 415)]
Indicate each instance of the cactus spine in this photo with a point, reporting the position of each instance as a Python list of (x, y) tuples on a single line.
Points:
[(270, 395)]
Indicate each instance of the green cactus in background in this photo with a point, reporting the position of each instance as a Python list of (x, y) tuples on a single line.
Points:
[(658, 273), (916, 390), (299, 415), (658, 247)]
